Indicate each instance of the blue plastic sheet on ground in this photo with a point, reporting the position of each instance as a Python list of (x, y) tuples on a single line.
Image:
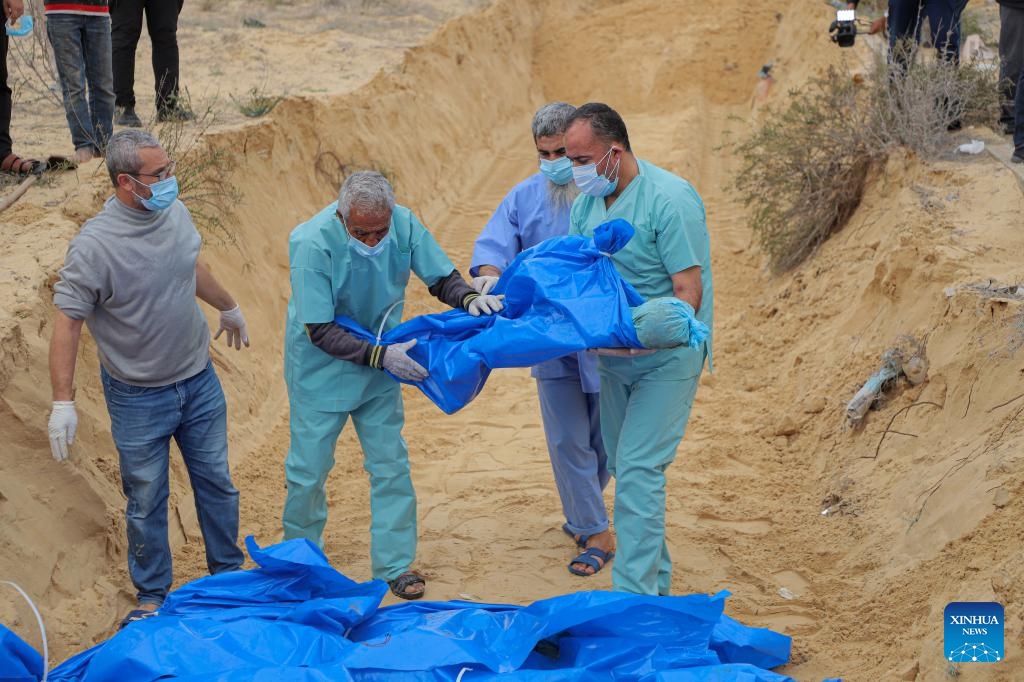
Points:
[(561, 296), (295, 618), (19, 662)]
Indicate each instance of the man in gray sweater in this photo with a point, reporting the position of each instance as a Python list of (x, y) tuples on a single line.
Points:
[(132, 274)]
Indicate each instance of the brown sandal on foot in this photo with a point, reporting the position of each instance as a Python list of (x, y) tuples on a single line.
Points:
[(15, 165)]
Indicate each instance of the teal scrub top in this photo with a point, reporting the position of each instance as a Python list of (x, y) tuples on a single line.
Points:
[(328, 279), (671, 236)]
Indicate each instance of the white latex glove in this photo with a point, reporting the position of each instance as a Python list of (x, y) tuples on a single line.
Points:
[(233, 322), (484, 283), (398, 362), (486, 304), (62, 427)]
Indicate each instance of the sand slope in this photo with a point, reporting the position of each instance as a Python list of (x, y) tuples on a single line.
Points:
[(934, 517)]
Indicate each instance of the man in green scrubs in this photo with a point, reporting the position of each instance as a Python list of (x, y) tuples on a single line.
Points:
[(354, 258), (645, 399)]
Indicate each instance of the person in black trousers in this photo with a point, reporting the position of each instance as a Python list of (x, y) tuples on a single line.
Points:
[(9, 161), (125, 29)]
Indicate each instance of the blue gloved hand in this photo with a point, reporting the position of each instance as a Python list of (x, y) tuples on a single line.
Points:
[(397, 361)]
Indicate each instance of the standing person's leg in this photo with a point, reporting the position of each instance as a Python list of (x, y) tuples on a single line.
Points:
[(202, 437), (944, 19), (141, 423), (653, 427), (1011, 61), (125, 28), (1018, 128), (162, 24), (577, 466), (96, 49), (378, 423), (5, 97), (66, 33), (904, 30), (314, 435)]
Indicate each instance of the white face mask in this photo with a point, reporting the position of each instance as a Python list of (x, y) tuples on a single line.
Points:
[(593, 183), (369, 251)]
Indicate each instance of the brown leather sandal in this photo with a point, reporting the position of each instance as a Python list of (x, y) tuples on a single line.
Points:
[(15, 165)]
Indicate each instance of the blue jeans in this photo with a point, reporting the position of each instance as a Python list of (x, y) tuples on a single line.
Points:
[(81, 47), (905, 17), (142, 422)]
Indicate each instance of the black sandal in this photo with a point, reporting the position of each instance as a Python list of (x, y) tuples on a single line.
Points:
[(400, 585), (15, 165)]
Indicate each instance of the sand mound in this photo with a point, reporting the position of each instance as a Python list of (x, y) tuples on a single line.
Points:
[(934, 517)]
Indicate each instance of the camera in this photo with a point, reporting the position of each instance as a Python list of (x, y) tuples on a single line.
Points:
[(844, 28)]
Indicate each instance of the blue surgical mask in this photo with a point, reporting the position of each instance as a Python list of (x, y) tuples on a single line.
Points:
[(369, 251), (24, 26), (558, 171), (163, 193), (593, 183)]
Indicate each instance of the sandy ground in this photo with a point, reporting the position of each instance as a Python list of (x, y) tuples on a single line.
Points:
[(929, 515)]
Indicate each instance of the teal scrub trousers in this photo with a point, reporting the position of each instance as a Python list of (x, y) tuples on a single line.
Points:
[(314, 436), (643, 420)]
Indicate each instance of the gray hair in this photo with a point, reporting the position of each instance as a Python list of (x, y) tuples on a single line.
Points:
[(123, 151), (369, 190), (552, 119)]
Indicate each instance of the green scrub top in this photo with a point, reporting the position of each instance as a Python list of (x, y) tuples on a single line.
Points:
[(671, 236), (328, 279)]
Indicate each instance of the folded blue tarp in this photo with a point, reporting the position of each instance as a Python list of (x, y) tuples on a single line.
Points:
[(561, 296), (19, 662), (296, 618)]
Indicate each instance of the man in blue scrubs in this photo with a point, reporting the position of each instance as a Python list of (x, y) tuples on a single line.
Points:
[(537, 209), (645, 399), (354, 258)]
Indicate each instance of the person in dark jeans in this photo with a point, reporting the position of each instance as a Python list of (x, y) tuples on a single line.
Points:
[(1011, 58), (9, 161), (905, 18), (162, 25), (80, 36)]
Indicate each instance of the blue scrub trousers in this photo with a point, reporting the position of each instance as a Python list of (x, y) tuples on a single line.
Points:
[(314, 436), (572, 427), (643, 419)]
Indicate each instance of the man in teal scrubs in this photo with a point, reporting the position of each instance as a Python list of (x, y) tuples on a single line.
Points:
[(645, 399), (354, 258)]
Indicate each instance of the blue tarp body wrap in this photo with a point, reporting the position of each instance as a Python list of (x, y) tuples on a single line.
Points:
[(562, 296), (296, 618), (668, 322)]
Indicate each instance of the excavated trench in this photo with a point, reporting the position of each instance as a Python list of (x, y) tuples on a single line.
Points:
[(449, 126)]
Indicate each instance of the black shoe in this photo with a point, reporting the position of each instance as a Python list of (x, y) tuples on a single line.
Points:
[(126, 116), (174, 114), (1018, 157)]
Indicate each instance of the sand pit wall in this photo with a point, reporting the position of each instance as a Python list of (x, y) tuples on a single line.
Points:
[(766, 450), (422, 123)]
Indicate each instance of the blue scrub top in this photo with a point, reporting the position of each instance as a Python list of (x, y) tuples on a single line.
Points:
[(671, 236), (524, 219), (328, 279)]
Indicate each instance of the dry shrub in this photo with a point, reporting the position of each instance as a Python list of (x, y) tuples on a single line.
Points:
[(204, 171), (32, 71), (804, 170)]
